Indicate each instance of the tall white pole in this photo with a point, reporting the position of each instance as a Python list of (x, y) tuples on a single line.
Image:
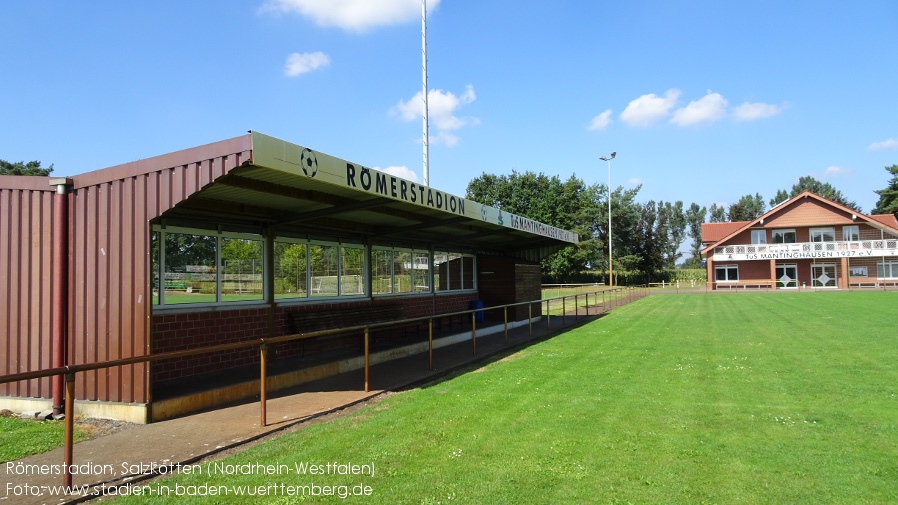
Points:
[(610, 270), (424, 85)]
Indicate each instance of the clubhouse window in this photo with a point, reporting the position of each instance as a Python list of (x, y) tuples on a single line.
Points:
[(783, 236), (823, 234), (759, 236), (726, 273), (851, 233), (887, 270)]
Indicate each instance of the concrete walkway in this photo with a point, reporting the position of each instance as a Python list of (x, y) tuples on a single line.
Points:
[(143, 451)]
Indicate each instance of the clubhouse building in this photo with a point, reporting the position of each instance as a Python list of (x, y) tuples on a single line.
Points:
[(805, 242), (233, 241)]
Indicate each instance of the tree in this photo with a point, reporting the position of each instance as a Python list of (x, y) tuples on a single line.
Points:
[(570, 205), (22, 168), (888, 197), (780, 197), (695, 216), (824, 189), (717, 214), (747, 208)]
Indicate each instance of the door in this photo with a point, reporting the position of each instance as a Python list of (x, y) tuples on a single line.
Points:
[(786, 276), (823, 276)]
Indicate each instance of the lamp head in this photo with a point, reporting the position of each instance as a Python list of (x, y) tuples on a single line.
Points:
[(613, 154)]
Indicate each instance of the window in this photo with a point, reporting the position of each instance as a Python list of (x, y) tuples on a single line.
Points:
[(786, 276), (291, 268), (400, 270), (887, 270), (726, 273), (759, 236), (823, 234), (783, 236), (851, 233), (857, 271), (200, 266), (453, 271)]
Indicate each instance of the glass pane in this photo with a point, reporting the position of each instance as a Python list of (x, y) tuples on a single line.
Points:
[(850, 234), (290, 270), (759, 236), (720, 274), (352, 274), (468, 272), (324, 270), (402, 272), (421, 271), (242, 264), (441, 270), (155, 239), (382, 271), (189, 268)]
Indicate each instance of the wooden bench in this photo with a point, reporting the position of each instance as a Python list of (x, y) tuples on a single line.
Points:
[(309, 320), (744, 285)]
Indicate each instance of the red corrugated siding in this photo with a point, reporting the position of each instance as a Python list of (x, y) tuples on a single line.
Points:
[(109, 287), (26, 245)]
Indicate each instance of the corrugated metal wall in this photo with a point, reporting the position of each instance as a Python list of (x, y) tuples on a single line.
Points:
[(108, 300), (26, 247), (110, 211)]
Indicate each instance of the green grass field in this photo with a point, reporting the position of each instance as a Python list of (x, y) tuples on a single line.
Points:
[(740, 398)]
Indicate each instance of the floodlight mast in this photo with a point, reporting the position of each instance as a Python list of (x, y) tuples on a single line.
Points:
[(610, 269), (426, 142)]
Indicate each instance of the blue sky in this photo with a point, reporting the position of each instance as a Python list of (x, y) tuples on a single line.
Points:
[(703, 101)]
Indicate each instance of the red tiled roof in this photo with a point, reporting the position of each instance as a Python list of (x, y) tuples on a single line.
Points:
[(712, 232), (886, 219)]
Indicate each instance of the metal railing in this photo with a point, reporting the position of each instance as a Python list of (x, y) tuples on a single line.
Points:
[(609, 299)]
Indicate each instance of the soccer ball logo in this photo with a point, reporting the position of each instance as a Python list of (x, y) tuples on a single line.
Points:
[(309, 162)]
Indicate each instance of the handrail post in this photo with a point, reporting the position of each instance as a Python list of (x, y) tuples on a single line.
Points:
[(69, 437), (366, 359), (430, 340), (474, 332), (548, 316), (530, 319), (263, 378), (563, 309), (505, 310), (576, 307)]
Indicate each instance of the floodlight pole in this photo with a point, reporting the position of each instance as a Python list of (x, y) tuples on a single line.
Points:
[(426, 142), (610, 269)]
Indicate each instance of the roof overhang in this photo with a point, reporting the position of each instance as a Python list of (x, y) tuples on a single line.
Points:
[(302, 192)]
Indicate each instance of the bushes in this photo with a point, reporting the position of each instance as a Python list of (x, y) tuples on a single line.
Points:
[(630, 278)]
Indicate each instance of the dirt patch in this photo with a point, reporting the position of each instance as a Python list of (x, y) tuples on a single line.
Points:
[(94, 427)]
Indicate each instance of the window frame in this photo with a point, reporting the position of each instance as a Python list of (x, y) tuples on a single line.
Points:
[(726, 268), (759, 232), (782, 232), (822, 232), (847, 229)]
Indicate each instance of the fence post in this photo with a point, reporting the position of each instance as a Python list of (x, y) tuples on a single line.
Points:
[(263, 375), (576, 307), (505, 310), (366, 359), (563, 309), (430, 340), (69, 437), (474, 332), (530, 319)]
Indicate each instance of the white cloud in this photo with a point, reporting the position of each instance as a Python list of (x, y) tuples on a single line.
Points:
[(648, 109), (751, 111), (300, 63), (884, 145), (353, 15), (401, 171), (634, 181), (706, 109), (835, 171), (442, 107), (601, 121)]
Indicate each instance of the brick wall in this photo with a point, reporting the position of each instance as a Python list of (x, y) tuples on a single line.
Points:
[(177, 332)]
